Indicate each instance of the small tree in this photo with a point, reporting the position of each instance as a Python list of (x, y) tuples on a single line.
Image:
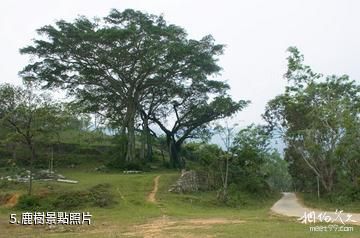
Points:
[(251, 146), (227, 134), (29, 117)]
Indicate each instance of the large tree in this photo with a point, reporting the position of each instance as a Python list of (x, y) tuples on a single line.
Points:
[(115, 62), (191, 111)]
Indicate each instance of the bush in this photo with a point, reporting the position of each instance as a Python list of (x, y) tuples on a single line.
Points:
[(4, 184), (124, 165), (29, 202), (167, 164), (71, 200), (133, 166), (354, 194), (101, 195), (347, 195), (240, 197)]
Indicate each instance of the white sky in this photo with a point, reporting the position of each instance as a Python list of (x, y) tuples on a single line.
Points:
[(257, 34)]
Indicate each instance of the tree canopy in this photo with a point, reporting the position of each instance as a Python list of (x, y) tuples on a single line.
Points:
[(318, 116), (132, 66)]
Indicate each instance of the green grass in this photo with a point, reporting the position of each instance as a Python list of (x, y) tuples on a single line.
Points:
[(324, 203), (125, 219)]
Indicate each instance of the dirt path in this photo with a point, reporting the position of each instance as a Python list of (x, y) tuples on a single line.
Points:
[(168, 227), (289, 205), (152, 195)]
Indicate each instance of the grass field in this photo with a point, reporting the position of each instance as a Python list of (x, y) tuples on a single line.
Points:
[(174, 215)]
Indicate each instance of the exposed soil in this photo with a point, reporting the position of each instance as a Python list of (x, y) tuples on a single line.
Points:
[(12, 201), (152, 195), (166, 227)]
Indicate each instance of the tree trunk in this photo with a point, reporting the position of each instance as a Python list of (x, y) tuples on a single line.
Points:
[(163, 156), (318, 186), (143, 145), (130, 152), (222, 193), (149, 150), (327, 179), (328, 183), (174, 153), (226, 177), (146, 137), (148, 140), (32, 158), (13, 147)]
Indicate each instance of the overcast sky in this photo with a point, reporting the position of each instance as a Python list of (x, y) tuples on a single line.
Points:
[(256, 35)]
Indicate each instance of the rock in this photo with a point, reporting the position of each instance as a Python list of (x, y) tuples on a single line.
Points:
[(101, 168), (188, 182), (67, 181), (132, 172), (43, 175)]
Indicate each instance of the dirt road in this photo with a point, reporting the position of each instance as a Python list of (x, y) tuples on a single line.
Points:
[(289, 205)]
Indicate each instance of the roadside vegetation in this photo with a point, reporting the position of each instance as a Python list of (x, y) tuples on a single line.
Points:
[(318, 118)]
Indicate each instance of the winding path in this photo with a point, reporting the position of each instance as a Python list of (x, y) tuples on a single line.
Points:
[(289, 205), (152, 195)]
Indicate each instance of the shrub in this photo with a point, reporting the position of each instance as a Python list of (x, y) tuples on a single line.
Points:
[(4, 184), (28, 202), (71, 200), (347, 195), (124, 165), (101, 195), (354, 194)]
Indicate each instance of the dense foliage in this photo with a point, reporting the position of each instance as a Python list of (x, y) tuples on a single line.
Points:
[(134, 69), (250, 164), (318, 118)]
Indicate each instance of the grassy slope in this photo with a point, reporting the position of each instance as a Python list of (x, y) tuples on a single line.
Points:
[(132, 209)]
